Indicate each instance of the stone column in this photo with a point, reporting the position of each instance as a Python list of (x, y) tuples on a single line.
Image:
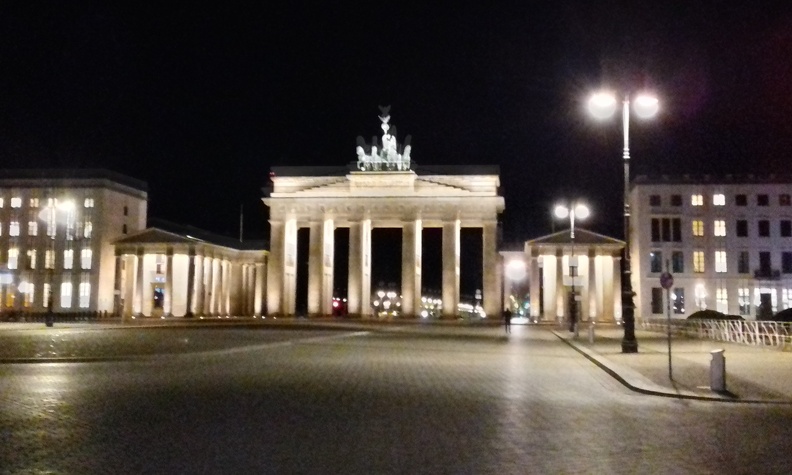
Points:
[(117, 284), (535, 284), (199, 284), (258, 291), (328, 259), (591, 294), (225, 289), (315, 252), (289, 290), (355, 276), (210, 282), (492, 273), (139, 283), (188, 312), (168, 303), (615, 293), (276, 269), (549, 283), (560, 290), (451, 268), (411, 268)]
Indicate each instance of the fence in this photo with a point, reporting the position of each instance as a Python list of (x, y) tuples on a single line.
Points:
[(17, 316), (755, 333)]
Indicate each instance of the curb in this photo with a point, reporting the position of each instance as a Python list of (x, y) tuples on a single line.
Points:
[(649, 392)]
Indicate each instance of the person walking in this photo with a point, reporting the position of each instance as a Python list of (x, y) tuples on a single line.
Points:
[(507, 316)]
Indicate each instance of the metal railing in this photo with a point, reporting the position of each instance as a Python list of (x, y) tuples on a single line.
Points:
[(744, 332)]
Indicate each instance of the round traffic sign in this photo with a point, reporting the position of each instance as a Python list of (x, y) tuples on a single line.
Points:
[(666, 280)]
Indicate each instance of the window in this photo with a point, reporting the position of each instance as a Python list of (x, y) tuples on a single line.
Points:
[(764, 228), (49, 259), (786, 298), (85, 258), (744, 263), (85, 291), (744, 300), (28, 291), (784, 200), (66, 295), (32, 227), (698, 227), (124, 229), (697, 200), (721, 300), (719, 199), (676, 200), (13, 228), (698, 261), (741, 200), (762, 200), (655, 261), (2, 202), (16, 202), (719, 227), (89, 203), (654, 200), (31, 259), (47, 295), (720, 261), (657, 300), (786, 228), (126, 210), (666, 229), (701, 297), (87, 229), (68, 258), (13, 258), (677, 262), (34, 202), (679, 300), (786, 262), (742, 228)]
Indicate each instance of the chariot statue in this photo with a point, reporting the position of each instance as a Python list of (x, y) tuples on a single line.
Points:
[(384, 154)]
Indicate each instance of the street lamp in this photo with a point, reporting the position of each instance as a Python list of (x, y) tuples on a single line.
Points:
[(602, 105), (579, 211)]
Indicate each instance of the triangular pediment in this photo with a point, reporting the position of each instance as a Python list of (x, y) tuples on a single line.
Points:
[(156, 236), (582, 236)]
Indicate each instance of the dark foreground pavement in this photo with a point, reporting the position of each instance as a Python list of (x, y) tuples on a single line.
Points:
[(397, 399)]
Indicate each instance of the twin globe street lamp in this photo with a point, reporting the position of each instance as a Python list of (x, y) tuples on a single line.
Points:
[(602, 105), (574, 211)]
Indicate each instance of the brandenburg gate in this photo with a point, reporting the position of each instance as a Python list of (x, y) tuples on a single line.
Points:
[(384, 189)]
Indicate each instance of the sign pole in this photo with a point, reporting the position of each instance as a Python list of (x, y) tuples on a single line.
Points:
[(667, 281)]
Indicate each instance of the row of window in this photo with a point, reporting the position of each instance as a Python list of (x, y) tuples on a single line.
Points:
[(670, 229), (83, 229), (719, 199), (16, 202), (677, 262), (721, 300), (30, 262), (27, 291)]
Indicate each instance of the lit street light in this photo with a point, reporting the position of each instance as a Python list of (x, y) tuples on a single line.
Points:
[(579, 211), (602, 105)]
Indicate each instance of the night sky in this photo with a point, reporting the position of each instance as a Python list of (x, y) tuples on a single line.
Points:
[(201, 100)]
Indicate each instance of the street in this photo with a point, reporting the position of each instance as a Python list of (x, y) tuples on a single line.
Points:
[(384, 400)]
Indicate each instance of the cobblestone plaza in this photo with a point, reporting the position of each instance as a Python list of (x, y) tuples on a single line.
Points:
[(375, 399)]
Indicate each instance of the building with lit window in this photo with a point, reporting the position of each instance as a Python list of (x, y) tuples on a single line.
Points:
[(57, 229), (727, 241)]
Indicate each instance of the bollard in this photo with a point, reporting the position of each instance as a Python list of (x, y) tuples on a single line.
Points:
[(591, 332), (718, 371)]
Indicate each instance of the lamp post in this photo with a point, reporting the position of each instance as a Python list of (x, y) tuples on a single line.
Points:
[(579, 211), (602, 105)]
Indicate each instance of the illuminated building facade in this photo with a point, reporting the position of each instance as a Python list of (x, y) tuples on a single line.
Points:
[(56, 233), (727, 241)]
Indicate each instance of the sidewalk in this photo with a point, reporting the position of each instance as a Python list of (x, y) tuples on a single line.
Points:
[(753, 374)]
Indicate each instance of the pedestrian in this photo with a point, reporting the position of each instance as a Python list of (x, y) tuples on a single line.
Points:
[(507, 316)]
